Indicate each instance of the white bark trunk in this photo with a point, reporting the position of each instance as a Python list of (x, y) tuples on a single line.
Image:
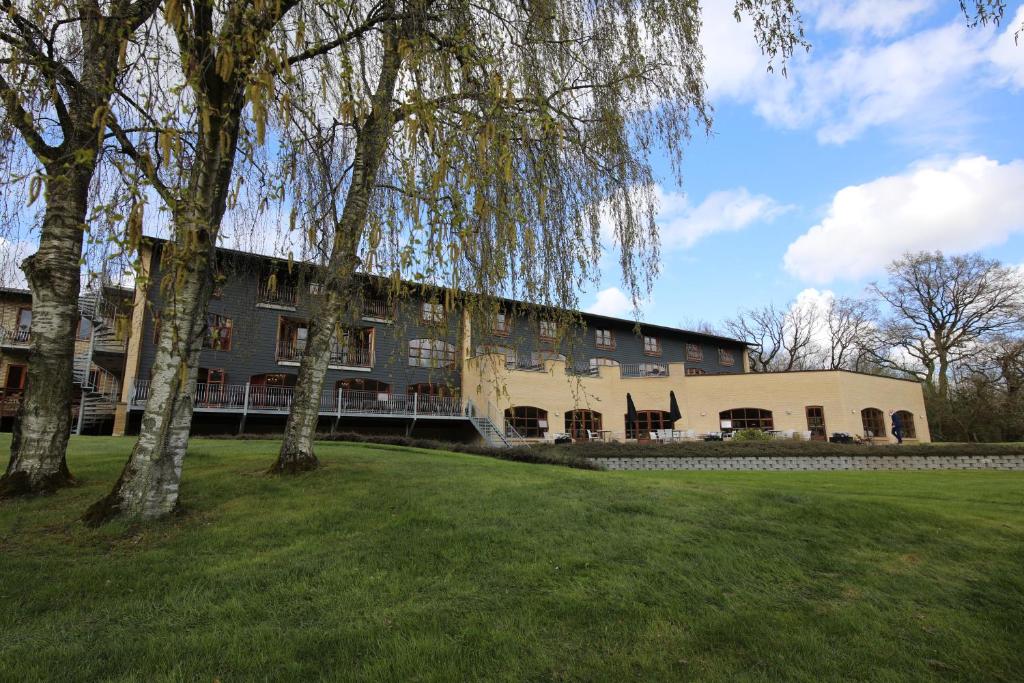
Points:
[(149, 484), (38, 449)]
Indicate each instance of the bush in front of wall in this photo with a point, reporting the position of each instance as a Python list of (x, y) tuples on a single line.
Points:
[(751, 435)]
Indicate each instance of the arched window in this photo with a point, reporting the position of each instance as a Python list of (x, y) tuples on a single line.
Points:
[(431, 389), (906, 419), (362, 384), (746, 418), (529, 421), (647, 421), (873, 421), (431, 353), (578, 422)]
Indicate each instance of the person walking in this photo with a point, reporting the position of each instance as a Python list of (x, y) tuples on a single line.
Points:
[(897, 427)]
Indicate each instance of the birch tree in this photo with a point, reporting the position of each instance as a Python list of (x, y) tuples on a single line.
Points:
[(61, 64), (489, 138), (227, 54)]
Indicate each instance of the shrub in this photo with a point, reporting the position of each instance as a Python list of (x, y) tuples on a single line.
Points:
[(751, 435)]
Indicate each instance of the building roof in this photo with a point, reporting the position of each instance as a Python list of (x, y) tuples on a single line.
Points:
[(590, 316)]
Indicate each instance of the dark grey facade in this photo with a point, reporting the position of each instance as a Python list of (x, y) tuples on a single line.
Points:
[(255, 326)]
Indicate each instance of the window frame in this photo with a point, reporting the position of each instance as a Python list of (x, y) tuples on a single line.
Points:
[(610, 344), (436, 346), (522, 422), (726, 357), (500, 325), (579, 420), (763, 421), (547, 330), (78, 329), (432, 313), (646, 423), (819, 432), (871, 413), (694, 353), (208, 340), (656, 351)]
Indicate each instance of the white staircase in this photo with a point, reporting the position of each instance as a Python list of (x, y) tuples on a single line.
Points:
[(493, 436), (99, 387)]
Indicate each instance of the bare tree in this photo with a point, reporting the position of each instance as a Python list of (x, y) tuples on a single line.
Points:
[(779, 340), (941, 307), (851, 326), (62, 63)]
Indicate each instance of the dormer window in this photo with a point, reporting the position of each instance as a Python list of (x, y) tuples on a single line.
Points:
[(431, 313), (652, 346), (501, 324)]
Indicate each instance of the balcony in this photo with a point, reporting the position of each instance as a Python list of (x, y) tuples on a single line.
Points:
[(246, 398), (292, 352), (281, 296), (378, 309), (643, 370), (19, 337)]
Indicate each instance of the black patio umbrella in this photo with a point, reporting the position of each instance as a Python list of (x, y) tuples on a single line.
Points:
[(673, 408), (631, 416)]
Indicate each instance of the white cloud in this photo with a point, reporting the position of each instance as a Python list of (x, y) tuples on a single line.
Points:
[(614, 303), (877, 76), (955, 206), (682, 224), (878, 17), (1008, 55)]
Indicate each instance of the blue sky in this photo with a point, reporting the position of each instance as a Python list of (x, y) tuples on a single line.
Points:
[(900, 130)]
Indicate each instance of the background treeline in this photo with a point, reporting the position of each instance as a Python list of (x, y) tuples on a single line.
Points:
[(955, 323)]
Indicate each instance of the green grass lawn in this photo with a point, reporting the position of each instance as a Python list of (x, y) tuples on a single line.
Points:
[(401, 564)]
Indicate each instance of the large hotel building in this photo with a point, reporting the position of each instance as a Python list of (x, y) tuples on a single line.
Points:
[(425, 368)]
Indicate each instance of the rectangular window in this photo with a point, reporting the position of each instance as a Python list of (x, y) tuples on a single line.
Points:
[(604, 339), (431, 353), (16, 376), (218, 332), (500, 326), (291, 339), (24, 319), (432, 314), (694, 372), (694, 353), (726, 357), (354, 348), (548, 329), (84, 329), (652, 346)]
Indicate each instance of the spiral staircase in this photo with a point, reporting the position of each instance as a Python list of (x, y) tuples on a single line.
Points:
[(99, 388)]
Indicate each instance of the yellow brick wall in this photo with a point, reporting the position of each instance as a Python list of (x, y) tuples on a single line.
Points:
[(843, 395)]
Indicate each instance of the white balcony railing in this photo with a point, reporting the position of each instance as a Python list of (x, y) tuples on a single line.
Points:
[(261, 398), (289, 351)]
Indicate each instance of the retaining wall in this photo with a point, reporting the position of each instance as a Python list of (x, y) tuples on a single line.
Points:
[(1011, 462)]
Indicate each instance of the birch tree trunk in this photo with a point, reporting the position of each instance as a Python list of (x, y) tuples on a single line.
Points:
[(38, 461), (149, 483), (296, 453)]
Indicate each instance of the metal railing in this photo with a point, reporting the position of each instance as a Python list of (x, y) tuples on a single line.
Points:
[(19, 336), (281, 295), (582, 370), (290, 351), (643, 370), (249, 397), (378, 309)]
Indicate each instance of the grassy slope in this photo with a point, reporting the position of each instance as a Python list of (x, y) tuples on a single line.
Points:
[(400, 564)]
